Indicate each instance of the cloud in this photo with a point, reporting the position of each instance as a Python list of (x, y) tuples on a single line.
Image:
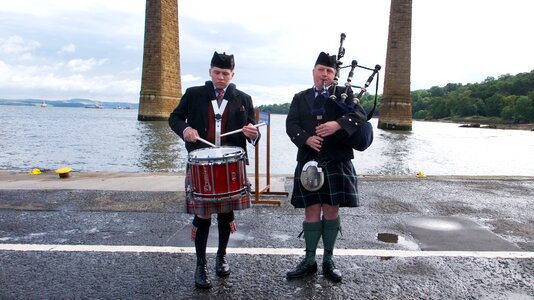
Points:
[(18, 47), (70, 48), (272, 94), (188, 78), (5, 70), (275, 47), (81, 65)]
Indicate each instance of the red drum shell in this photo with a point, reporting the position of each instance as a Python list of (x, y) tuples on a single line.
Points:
[(217, 172)]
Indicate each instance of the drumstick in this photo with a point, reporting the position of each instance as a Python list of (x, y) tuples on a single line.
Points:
[(205, 142), (239, 130)]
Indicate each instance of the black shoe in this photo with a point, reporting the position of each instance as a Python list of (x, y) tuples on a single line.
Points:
[(302, 269), (330, 271), (222, 268), (201, 277)]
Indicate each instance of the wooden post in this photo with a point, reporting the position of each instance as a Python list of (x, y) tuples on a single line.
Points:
[(266, 190)]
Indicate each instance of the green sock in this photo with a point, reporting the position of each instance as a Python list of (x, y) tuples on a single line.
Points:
[(312, 235), (330, 230)]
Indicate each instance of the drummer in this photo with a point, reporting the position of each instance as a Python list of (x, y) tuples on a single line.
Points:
[(203, 114)]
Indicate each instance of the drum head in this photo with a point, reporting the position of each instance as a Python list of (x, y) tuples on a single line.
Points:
[(312, 176), (216, 152)]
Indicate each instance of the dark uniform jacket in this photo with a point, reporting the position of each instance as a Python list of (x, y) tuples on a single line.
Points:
[(192, 111), (301, 123)]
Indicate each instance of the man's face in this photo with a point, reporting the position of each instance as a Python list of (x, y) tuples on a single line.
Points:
[(323, 73), (221, 77)]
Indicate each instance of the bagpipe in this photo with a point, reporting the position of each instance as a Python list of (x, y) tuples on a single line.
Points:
[(348, 83), (363, 137)]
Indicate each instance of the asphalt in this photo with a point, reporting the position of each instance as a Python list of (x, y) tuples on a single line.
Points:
[(126, 235)]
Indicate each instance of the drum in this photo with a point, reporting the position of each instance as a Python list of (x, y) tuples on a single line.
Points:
[(217, 173)]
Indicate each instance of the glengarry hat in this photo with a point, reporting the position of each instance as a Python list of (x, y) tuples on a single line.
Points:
[(326, 60), (222, 61)]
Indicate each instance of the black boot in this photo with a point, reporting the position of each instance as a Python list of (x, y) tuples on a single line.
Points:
[(331, 272), (201, 240), (201, 275), (303, 268), (222, 268), (312, 235)]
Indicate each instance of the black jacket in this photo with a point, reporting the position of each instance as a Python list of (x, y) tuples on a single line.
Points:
[(192, 111), (301, 123)]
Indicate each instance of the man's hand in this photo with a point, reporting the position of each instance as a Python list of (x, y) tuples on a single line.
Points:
[(327, 128), (191, 135), (250, 131), (315, 142)]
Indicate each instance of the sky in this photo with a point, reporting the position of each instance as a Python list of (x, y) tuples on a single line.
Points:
[(93, 49)]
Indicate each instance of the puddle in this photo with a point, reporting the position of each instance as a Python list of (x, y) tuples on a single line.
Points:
[(437, 224), (455, 234), (397, 239)]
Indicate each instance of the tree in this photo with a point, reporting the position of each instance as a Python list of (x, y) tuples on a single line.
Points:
[(523, 110), (436, 91), (493, 105), (507, 112), (439, 108), (420, 101)]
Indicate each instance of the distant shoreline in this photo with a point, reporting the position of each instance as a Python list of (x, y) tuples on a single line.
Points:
[(71, 103), (475, 122), (486, 123)]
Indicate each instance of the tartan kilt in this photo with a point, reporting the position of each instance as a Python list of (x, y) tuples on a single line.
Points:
[(199, 206), (340, 186)]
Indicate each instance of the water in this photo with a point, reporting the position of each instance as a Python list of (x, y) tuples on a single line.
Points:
[(112, 140)]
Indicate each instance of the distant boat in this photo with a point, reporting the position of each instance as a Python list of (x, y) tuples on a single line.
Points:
[(96, 105), (43, 104), (129, 106)]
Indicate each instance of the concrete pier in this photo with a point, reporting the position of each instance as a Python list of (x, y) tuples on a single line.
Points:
[(102, 235)]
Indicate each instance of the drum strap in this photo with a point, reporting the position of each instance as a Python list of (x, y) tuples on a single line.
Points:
[(218, 111)]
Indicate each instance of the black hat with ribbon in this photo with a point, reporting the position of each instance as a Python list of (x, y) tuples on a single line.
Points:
[(222, 61), (326, 60)]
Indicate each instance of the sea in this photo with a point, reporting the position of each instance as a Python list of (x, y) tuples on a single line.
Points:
[(113, 140)]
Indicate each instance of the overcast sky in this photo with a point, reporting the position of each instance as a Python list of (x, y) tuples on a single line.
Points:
[(62, 49)]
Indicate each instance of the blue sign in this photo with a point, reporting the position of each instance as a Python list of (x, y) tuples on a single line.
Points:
[(264, 118)]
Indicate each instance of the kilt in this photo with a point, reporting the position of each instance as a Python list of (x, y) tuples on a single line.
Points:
[(340, 186), (211, 206)]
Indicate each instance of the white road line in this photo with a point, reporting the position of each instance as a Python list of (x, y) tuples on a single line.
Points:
[(263, 251)]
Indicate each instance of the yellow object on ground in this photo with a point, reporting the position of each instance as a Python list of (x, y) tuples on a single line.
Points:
[(63, 172)]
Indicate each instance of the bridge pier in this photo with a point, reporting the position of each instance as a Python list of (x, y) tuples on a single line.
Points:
[(396, 104), (161, 87)]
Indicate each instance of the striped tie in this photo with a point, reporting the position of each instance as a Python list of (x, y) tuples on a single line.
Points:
[(220, 94)]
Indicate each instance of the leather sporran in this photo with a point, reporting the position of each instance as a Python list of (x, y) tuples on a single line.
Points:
[(312, 176)]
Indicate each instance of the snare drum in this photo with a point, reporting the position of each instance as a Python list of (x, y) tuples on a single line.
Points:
[(217, 173)]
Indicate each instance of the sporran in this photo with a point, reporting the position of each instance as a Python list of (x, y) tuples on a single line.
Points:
[(312, 176)]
